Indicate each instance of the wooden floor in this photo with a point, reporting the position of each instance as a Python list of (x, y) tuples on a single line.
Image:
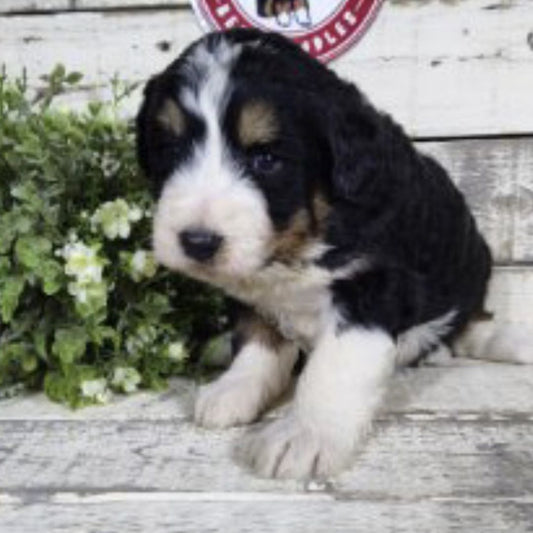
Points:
[(452, 451)]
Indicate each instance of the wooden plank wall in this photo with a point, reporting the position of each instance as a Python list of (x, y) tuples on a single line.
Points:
[(441, 69)]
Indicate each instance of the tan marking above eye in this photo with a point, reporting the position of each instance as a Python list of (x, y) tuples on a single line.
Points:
[(257, 124), (171, 117)]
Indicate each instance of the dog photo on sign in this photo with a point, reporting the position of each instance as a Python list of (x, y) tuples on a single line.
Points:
[(284, 11), (282, 185), (289, 15)]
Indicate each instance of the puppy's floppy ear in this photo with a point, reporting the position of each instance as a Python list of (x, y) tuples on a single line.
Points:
[(355, 135), (142, 127)]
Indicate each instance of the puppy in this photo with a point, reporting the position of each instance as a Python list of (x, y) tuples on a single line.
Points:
[(282, 185)]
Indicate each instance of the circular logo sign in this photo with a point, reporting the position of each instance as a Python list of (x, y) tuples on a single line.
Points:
[(324, 28)]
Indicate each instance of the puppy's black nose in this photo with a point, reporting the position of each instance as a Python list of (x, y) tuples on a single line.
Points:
[(200, 244)]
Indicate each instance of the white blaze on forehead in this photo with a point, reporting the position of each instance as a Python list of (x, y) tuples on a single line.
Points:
[(209, 190), (210, 71), (207, 98)]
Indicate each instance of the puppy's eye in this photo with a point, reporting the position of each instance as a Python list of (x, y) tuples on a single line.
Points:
[(265, 163)]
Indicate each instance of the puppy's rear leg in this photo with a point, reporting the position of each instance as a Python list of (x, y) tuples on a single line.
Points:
[(259, 374), (508, 342)]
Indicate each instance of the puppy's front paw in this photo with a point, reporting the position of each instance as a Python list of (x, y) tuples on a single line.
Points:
[(287, 449), (229, 401)]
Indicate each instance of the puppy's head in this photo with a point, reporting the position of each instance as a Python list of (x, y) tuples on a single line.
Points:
[(235, 136)]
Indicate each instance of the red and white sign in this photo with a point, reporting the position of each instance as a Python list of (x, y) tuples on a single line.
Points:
[(324, 28)]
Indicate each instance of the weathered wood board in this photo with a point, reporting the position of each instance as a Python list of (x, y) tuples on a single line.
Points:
[(511, 294), (122, 4), (453, 450), (19, 6), (442, 69), (31, 6), (460, 389), (496, 177), (311, 515)]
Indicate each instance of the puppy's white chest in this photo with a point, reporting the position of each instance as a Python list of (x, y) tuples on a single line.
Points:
[(295, 300)]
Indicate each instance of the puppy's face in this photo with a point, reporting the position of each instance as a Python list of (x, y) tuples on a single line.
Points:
[(236, 161)]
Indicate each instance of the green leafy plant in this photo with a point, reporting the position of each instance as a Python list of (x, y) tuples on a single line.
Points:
[(84, 309)]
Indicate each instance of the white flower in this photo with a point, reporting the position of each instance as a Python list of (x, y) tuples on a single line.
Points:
[(126, 378), (144, 338), (136, 214), (82, 262), (177, 352), (85, 293), (142, 265), (109, 165), (138, 260), (147, 334), (96, 389), (133, 346), (115, 218)]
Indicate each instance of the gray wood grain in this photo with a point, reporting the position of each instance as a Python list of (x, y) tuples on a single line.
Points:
[(496, 177), (439, 426), (309, 516), (464, 389), (404, 459), (29, 6), (452, 451)]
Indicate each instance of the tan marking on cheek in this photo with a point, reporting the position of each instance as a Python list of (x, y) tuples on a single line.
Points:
[(257, 124), (171, 117), (289, 244)]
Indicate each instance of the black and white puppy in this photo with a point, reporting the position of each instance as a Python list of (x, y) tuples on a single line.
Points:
[(281, 184)]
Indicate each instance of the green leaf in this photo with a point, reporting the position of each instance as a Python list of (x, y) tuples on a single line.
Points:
[(58, 389), (32, 250), (11, 223), (52, 277), (26, 191), (58, 72), (29, 362), (73, 78), (69, 344), (11, 289), (155, 305), (64, 387), (39, 342), (100, 334), (5, 266), (21, 222), (95, 108)]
